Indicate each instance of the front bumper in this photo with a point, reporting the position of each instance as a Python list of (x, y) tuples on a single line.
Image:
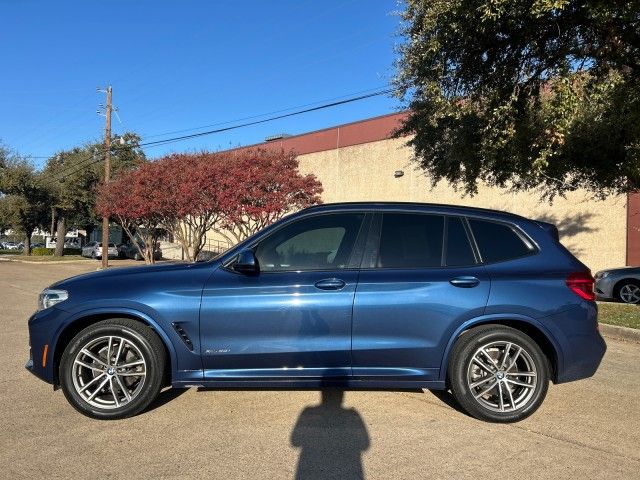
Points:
[(604, 288), (42, 332)]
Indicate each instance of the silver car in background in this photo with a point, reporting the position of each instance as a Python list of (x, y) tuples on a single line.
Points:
[(618, 284), (94, 250)]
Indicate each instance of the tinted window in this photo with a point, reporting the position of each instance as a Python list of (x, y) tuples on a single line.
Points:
[(459, 250), (410, 241), (319, 243), (497, 241)]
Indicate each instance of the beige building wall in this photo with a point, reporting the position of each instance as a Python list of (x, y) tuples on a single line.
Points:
[(595, 231)]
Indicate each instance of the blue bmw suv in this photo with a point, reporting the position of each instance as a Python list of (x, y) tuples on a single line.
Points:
[(484, 303)]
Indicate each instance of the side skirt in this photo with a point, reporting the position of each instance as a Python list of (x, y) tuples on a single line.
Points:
[(312, 383)]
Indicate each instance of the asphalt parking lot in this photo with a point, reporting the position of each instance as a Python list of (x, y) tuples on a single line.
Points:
[(587, 429)]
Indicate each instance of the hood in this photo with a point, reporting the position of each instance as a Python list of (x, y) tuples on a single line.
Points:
[(629, 270), (128, 272)]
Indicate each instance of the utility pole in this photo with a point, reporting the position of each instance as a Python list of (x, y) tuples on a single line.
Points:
[(107, 173)]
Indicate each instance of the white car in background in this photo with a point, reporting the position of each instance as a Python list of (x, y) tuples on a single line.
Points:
[(94, 250)]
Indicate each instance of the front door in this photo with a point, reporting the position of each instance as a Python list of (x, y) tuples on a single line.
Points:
[(292, 319)]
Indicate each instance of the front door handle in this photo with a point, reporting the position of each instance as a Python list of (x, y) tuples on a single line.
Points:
[(330, 284), (464, 282)]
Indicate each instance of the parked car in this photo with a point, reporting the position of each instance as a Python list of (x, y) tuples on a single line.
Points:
[(130, 250), (11, 246), (622, 284), (94, 250), (485, 303), (38, 245)]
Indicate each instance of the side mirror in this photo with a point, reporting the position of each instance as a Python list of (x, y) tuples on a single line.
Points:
[(246, 263)]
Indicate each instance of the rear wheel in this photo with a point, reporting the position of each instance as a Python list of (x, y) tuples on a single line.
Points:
[(112, 369), (498, 374), (629, 292)]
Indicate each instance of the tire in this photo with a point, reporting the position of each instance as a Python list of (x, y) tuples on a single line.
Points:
[(99, 389), (93, 255), (628, 291), (506, 401)]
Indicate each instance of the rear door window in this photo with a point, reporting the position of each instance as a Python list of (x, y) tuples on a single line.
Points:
[(498, 241), (410, 241), (458, 248)]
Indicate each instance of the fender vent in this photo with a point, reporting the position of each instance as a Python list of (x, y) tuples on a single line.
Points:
[(183, 335)]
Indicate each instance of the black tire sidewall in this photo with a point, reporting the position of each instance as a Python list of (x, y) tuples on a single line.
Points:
[(463, 352), (154, 366)]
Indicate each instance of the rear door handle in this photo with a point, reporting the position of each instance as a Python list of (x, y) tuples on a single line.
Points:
[(464, 282), (330, 284)]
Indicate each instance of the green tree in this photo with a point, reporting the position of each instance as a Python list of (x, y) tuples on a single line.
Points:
[(73, 175), (24, 201), (524, 93)]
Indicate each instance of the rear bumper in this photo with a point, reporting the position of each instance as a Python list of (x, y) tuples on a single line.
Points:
[(581, 347)]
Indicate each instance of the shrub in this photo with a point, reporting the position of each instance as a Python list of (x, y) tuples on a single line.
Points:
[(42, 251)]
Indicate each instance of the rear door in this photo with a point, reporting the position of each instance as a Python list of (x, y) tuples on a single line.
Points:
[(421, 278)]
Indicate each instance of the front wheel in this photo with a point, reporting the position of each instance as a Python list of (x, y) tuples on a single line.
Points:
[(112, 369), (498, 374), (629, 292)]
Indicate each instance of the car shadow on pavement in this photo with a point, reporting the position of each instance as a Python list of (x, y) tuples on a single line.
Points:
[(164, 397), (446, 397)]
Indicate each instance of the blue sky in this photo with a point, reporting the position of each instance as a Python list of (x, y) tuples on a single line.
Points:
[(178, 65)]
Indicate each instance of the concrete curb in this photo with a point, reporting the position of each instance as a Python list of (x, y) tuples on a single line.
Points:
[(620, 333)]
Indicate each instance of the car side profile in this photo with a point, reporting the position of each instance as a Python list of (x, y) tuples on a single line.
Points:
[(621, 284), (131, 250), (94, 250), (484, 303)]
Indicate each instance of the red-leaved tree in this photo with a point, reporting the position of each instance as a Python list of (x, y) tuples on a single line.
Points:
[(135, 200), (194, 186), (262, 186), (232, 193)]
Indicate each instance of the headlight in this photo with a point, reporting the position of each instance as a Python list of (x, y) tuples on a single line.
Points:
[(603, 274), (49, 297)]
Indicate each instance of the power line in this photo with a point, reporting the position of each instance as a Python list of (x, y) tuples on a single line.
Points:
[(270, 119), (167, 141), (242, 119)]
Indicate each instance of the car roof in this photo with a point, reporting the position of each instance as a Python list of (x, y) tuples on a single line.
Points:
[(415, 206)]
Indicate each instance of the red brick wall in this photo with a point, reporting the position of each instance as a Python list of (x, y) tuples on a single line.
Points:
[(633, 229)]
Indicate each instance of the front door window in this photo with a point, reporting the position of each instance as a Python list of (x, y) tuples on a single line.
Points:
[(324, 242)]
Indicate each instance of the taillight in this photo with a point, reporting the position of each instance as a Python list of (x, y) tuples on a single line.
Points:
[(581, 283)]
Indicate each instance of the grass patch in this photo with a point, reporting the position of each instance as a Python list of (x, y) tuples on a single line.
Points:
[(50, 258), (619, 314)]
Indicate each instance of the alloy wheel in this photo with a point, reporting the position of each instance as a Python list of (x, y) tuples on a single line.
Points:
[(502, 376), (109, 372), (630, 293)]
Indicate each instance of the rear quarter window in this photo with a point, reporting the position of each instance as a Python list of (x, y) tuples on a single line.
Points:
[(498, 241)]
